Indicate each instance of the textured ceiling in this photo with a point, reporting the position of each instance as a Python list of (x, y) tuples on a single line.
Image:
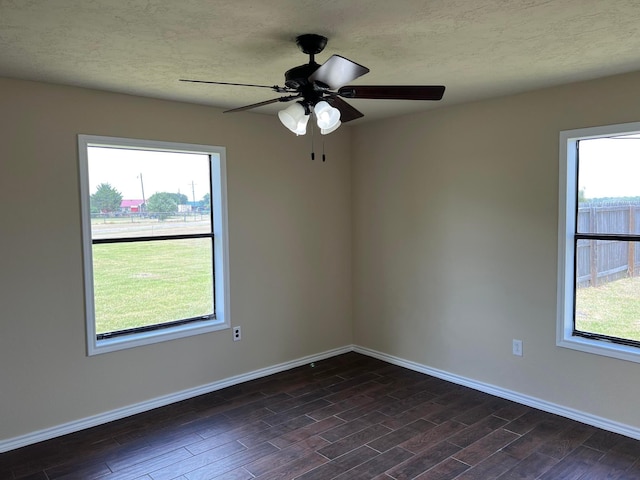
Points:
[(477, 48)]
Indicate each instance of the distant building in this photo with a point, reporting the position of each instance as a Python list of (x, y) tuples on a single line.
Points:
[(131, 206), (198, 207)]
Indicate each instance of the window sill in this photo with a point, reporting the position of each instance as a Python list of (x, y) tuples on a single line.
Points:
[(600, 347), (97, 347)]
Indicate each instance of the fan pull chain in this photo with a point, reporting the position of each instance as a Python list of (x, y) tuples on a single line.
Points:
[(313, 154)]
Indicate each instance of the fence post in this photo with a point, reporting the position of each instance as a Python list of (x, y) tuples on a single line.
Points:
[(593, 248), (632, 245)]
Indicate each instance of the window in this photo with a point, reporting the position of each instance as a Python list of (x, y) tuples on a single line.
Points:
[(599, 241), (154, 241)]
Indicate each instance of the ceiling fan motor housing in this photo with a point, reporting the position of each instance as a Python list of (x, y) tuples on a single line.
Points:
[(311, 44), (298, 77)]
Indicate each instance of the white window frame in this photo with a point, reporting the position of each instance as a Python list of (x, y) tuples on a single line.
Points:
[(220, 245), (566, 247)]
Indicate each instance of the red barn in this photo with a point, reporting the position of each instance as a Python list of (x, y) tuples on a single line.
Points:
[(131, 206)]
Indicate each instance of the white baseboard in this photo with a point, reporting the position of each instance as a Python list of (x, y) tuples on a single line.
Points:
[(534, 402), (77, 425)]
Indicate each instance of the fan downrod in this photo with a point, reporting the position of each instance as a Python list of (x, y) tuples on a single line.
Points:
[(297, 77)]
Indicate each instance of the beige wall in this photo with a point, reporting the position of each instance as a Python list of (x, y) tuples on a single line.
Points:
[(455, 243), (290, 253), (447, 218)]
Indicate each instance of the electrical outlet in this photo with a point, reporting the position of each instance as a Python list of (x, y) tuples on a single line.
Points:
[(517, 347), (237, 334)]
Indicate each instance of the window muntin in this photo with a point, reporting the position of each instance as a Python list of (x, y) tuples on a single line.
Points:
[(599, 288), (156, 262)]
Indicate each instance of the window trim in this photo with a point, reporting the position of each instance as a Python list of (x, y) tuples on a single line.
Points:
[(220, 245), (567, 211)]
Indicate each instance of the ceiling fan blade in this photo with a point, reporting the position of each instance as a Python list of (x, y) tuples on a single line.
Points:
[(260, 104), (253, 105), (275, 88), (347, 112), (337, 71), (393, 92)]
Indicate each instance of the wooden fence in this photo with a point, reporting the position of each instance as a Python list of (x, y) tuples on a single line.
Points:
[(602, 261)]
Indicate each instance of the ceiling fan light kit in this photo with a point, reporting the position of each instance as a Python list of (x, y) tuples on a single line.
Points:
[(295, 118), (320, 89)]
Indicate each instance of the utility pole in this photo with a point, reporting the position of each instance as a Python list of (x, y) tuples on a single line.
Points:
[(193, 192), (144, 200)]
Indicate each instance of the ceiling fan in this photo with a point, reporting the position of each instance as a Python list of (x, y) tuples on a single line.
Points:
[(320, 89)]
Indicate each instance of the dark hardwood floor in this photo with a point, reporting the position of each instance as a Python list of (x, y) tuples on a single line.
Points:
[(348, 417)]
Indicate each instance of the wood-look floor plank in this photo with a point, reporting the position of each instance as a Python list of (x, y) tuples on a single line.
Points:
[(427, 439), (477, 431), (340, 465), (228, 463), (280, 458), (423, 461), (530, 468), (353, 441), (209, 457), (135, 471), (486, 446), (490, 467), (447, 470), (574, 465), (300, 434), (377, 465)]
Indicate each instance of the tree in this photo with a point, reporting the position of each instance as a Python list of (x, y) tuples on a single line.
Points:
[(106, 199), (162, 204), (205, 203), (582, 197), (180, 198)]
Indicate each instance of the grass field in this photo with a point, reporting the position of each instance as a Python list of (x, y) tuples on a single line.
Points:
[(611, 309), (145, 283)]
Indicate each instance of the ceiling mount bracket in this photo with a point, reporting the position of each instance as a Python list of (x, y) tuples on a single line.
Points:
[(310, 43)]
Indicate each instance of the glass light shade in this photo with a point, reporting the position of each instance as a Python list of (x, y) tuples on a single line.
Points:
[(326, 115), (301, 129), (294, 118), (324, 131)]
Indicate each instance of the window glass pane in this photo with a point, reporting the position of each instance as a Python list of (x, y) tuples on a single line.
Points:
[(608, 186), (145, 283), (137, 193), (608, 288)]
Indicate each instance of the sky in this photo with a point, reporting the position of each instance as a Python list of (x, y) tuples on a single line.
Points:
[(610, 167), (186, 173)]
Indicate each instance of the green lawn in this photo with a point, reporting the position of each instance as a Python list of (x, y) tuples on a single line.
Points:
[(611, 309), (145, 283)]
